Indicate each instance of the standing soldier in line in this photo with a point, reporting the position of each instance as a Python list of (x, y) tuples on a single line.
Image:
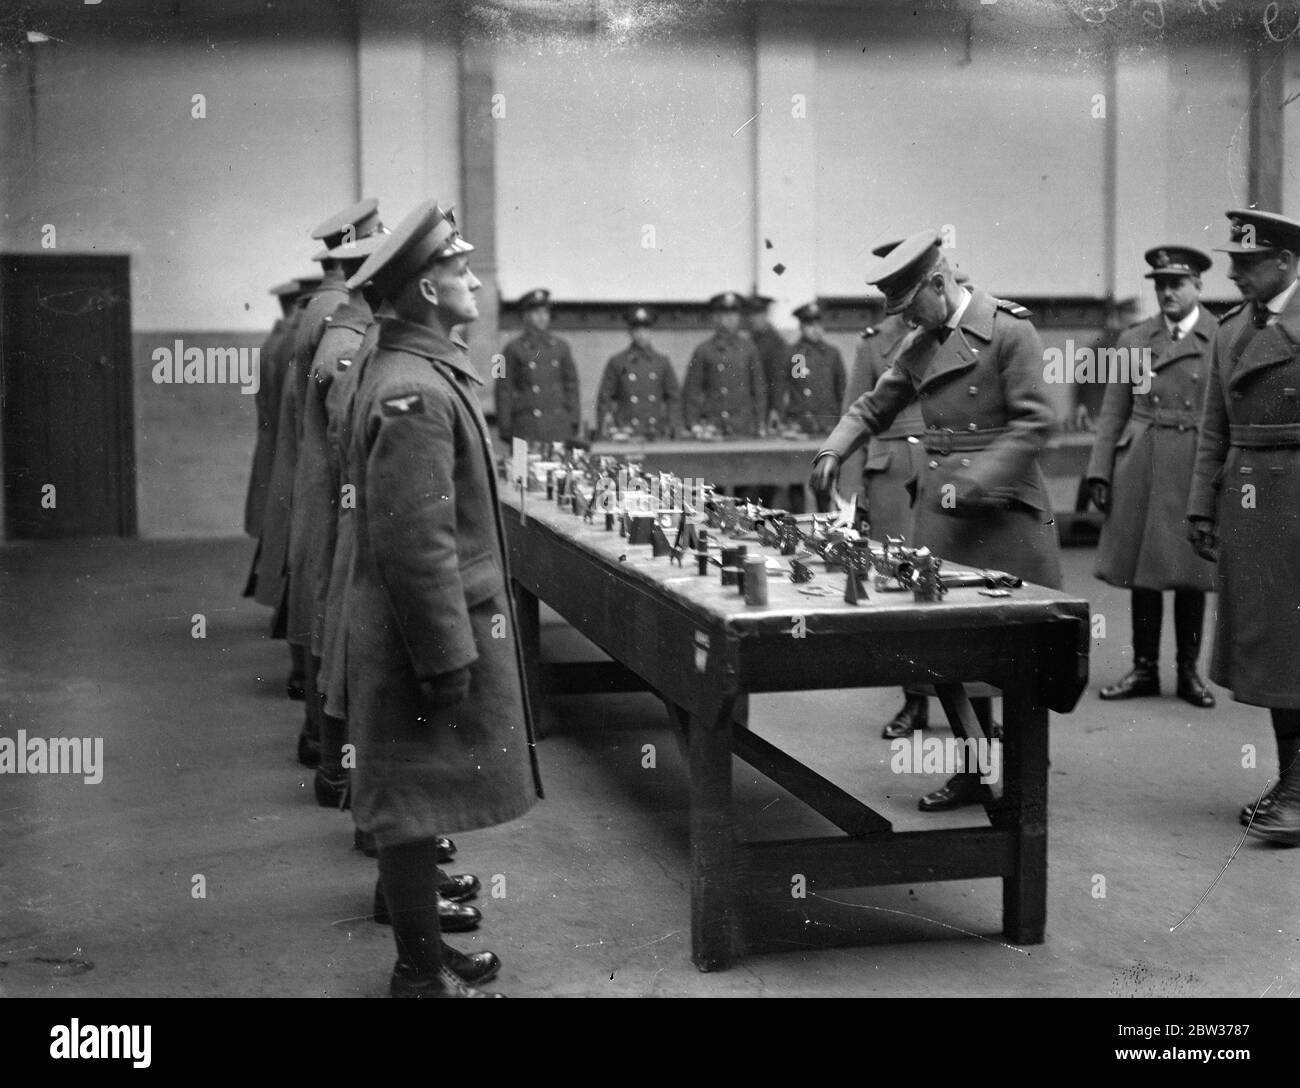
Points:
[(1140, 474), (269, 580), (537, 398), (976, 364), (725, 387), (1245, 498), (435, 678), (815, 387), (285, 544), (773, 353), (316, 500), (271, 378), (638, 393)]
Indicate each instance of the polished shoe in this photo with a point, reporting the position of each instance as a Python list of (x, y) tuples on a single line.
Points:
[(1259, 806), (293, 688), (1281, 822), (308, 750), (914, 715), (1192, 689), (446, 849), (452, 917), (474, 968), (446, 983), (458, 887), (331, 791), (1143, 680), (958, 791)]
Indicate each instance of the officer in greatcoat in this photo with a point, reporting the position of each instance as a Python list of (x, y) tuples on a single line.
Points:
[(1244, 507), (269, 580), (436, 699), (537, 397), (976, 365), (270, 362), (1140, 473), (639, 396)]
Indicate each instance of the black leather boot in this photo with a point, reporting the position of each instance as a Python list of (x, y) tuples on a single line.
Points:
[(960, 790), (1280, 822), (452, 917), (1189, 617), (1143, 680), (914, 715)]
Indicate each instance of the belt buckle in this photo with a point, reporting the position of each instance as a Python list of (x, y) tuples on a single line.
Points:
[(945, 446)]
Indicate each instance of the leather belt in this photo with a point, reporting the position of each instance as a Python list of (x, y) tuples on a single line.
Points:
[(896, 435), (1177, 418), (1262, 435), (950, 441)]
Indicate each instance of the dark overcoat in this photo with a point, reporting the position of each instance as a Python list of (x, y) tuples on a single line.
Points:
[(892, 463), (815, 386), (272, 577), (774, 356), (429, 594), (313, 527), (725, 386), (981, 499), (270, 361), (639, 393), (1248, 481), (1145, 448), (333, 675), (537, 398)]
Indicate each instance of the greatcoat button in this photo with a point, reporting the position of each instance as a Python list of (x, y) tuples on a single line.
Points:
[(973, 427), (934, 464), (973, 390), (537, 411)]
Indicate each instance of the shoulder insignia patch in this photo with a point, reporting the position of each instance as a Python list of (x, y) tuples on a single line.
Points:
[(1012, 308), (411, 404), (343, 364), (869, 331)]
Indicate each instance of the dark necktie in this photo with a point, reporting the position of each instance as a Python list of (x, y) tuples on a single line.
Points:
[(1260, 316), (942, 333), (1176, 334)]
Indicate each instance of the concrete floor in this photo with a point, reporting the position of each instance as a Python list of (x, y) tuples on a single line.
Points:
[(200, 780)]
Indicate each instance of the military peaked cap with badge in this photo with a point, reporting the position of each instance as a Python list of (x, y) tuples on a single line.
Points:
[(810, 312), (353, 223), (640, 316), (1253, 232), (900, 273), (427, 234), (1176, 261), (538, 297), (727, 300)]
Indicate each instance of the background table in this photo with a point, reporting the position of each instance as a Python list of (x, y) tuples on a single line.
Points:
[(703, 650)]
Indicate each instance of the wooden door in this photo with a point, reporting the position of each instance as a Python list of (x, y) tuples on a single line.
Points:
[(65, 384)]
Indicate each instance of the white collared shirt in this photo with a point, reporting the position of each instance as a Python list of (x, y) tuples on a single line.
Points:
[(955, 320), (1279, 301), (1185, 326)]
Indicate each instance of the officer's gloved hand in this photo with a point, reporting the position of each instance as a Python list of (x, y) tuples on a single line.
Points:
[(1099, 492), (825, 473), (1204, 540), (446, 689)]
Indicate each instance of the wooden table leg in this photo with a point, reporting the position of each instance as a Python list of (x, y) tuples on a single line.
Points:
[(713, 846), (1024, 804), (528, 616)]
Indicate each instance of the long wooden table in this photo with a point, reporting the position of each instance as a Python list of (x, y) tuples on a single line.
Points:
[(783, 461), (703, 650)]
